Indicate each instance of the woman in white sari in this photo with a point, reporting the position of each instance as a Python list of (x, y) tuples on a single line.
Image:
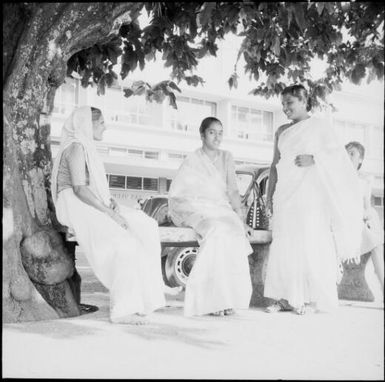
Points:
[(121, 244), (317, 214), (205, 197)]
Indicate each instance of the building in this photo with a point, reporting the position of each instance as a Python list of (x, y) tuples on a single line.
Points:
[(146, 142)]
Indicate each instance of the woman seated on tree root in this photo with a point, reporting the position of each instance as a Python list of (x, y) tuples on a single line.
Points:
[(121, 244), (204, 196)]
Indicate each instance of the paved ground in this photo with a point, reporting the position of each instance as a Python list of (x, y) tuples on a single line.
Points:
[(347, 344)]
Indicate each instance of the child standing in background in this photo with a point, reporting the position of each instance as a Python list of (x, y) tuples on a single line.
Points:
[(372, 232)]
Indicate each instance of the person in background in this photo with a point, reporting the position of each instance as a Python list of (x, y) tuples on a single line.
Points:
[(204, 196), (314, 202), (121, 244), (372, 231)]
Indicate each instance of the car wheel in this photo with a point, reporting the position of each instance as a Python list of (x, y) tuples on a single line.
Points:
[(178, 265)]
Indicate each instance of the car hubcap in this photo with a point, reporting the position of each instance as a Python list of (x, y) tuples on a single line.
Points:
[(184, 263)]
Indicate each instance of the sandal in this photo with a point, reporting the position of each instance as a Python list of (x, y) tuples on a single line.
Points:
[(274, 308), (229, 312), (217, 314), (278, 306)]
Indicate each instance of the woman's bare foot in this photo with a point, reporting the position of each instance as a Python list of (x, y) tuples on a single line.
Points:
[(306, 308), (131, 319), (301, 310), (229, 312)]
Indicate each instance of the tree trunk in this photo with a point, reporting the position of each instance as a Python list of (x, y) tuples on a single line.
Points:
[(38, 41)]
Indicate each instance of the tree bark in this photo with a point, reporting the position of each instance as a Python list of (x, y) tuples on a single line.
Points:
[(38, 41)]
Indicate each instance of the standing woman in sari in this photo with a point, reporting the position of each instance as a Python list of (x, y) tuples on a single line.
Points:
[(204, 196), (316, 210), (121, 244)]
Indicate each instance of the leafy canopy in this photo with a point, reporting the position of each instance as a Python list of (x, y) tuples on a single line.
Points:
[(280, 40)]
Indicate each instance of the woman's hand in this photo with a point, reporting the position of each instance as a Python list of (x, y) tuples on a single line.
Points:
[(113, 205), (248, 230), (304, 160), (269, 208), (119, 219)]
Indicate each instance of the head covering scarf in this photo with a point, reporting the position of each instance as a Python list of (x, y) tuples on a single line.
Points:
[(78, 128)]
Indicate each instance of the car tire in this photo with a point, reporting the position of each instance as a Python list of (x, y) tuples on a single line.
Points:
[(178, 265)]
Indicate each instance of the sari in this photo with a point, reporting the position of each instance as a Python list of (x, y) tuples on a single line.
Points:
[(372, 231), (317, 218), (127, 262), (199, 198)]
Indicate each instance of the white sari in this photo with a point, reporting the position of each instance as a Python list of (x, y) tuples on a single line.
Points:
[(127, 262), (198, 198), (317, 217)]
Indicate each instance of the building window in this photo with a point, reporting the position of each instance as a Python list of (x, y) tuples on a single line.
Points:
[(132, 153), (151, 155), (377, 143), (150, 184), (168, 184), (66, 97), (119, 110), (176, 156), (134, 183), (102, 150), (190, 113), (118, 152), (251, 124), (117, 181), (133, 110), (371, 137), (378, 201), (349, 131)]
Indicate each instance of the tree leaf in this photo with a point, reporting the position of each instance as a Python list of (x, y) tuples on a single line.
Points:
[(358, 73), (172, 99), (128, 92), (289, 16), (276, 46), (174, 86), (125, 68), (299, 15), (233, 81), (101, 86), (260, 34), (330, 7), (320, 7), (205, 14)]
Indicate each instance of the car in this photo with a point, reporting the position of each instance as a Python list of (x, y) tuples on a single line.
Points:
[(180, 245)]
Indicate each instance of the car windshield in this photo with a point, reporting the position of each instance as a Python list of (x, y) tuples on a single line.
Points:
[(243, 181)]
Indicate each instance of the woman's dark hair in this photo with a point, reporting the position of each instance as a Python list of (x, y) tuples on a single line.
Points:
[(359, 147), (96, 113), (300, 92), (205, 124)]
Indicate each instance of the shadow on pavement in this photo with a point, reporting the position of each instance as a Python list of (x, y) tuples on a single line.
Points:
[(98, 324), (169, 332), (56, 329)]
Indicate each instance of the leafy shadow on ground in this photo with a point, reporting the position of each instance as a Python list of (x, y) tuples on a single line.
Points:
[(97, 323), (170, 332), (56, 329)]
